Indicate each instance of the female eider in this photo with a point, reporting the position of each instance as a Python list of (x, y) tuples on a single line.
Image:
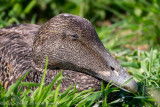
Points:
[(70, 42)]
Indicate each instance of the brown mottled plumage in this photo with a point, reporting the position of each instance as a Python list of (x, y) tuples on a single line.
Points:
[(71, 44)]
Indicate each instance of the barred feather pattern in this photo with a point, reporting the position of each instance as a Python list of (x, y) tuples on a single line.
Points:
[(16, 59)]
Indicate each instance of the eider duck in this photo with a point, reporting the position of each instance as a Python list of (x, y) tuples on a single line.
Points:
[(71, 44)]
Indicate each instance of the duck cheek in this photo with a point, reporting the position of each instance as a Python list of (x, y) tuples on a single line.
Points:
[(83, 60), (76, 54)]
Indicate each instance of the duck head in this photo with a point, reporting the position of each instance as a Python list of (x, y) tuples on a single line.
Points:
[(71, 43)]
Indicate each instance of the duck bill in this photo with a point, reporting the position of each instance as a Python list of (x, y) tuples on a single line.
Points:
[(123, 81), (114, 72)]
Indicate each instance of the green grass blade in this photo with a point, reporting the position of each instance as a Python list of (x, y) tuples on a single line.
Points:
[(15, 85), (42, 81), (47, 90)]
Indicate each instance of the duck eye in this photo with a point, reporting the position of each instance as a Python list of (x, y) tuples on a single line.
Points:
[(74, 36)]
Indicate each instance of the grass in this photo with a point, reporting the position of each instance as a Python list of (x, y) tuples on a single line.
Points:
[(128, 29), (45, 96), (147, 75)]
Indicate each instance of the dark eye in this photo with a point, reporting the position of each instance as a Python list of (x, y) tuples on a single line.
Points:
[(75, 36)]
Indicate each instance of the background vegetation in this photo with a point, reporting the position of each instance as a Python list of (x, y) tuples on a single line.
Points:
[(129, 29)]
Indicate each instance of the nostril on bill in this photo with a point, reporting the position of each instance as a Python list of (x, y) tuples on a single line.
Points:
[(112, 68), (115, 72)]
